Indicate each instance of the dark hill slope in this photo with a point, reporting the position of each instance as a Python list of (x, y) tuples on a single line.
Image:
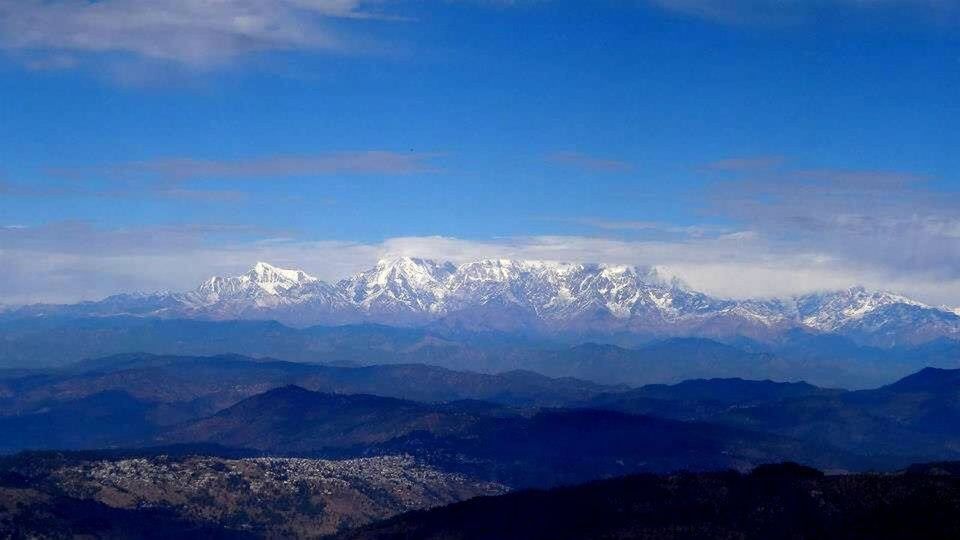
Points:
[(100, 420), (220, 381), (554, 446), (557, 447), (699, 399), (293, 420), (917, 417), (773, 502)]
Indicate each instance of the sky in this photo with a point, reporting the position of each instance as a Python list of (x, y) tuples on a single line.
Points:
[(752, 148)]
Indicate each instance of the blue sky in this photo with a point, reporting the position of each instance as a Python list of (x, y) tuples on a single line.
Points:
[(802, 145)]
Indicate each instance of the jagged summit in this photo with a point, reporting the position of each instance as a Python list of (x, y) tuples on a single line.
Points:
[(262, 279), (829, 310), (267, 272), (535, 296), (274, 279), (407, 287)]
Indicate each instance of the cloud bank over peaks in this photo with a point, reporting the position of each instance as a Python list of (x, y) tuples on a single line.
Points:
[(72, 261)]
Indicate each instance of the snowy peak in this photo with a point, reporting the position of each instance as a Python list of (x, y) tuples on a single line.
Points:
[(538, 296), (273, 279), (421, 274), (492, 270), (830, 311), (261, 280), (401, 284)]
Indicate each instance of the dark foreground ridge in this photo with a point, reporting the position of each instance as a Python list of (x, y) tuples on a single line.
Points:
[(774, 501)]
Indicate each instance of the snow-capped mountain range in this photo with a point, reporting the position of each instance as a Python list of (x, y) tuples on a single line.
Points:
[(528, 296)]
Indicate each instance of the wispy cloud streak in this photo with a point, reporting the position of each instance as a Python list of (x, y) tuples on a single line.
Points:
[(192, 33), (364, 162)]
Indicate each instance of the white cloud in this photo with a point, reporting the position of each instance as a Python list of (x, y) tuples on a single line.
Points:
[(381, 162), (899, 222), (195, 33)]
